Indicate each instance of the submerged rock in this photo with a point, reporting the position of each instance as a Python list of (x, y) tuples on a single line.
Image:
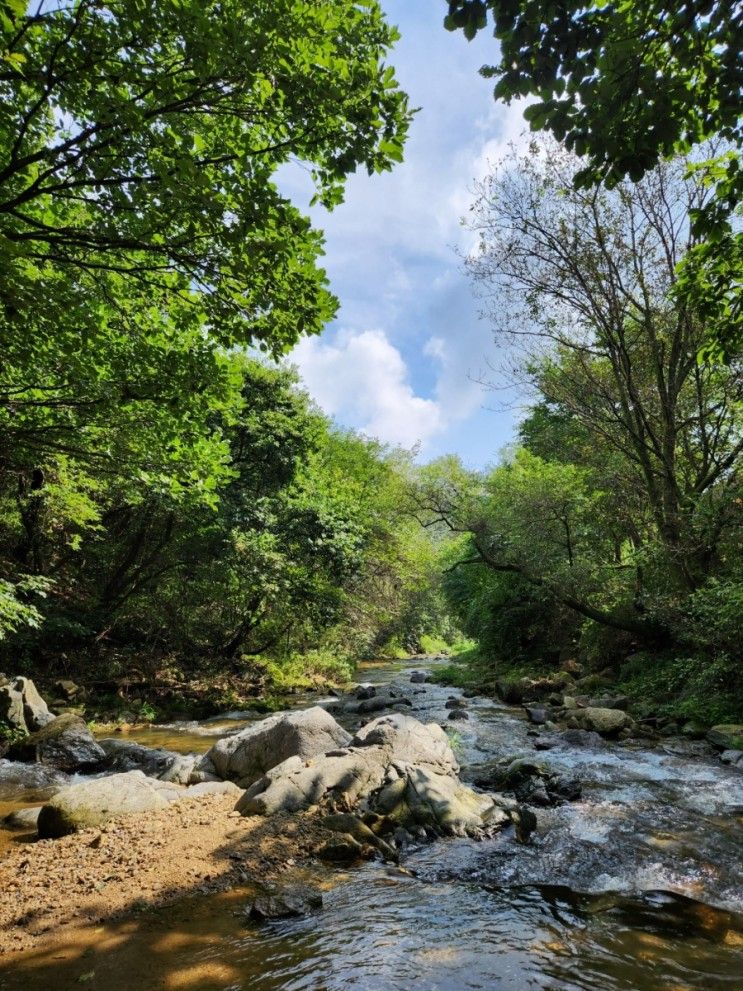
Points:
[(65, 743), (288, 903), (395, 766), (419, 677), (248, 755)]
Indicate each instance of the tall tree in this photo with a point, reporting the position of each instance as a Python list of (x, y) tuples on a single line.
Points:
[(626, 85)]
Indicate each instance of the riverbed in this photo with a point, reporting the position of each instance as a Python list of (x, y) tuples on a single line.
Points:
[(635, 887)]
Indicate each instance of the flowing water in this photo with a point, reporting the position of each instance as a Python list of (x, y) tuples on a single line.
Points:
[(635, 887)]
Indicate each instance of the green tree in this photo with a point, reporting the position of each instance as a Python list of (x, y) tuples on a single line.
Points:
[(585, 279), (626, 85), (142, 232)]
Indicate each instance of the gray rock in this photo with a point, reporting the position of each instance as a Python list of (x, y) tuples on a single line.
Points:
[(248, 755), (581, 738), (25, 819), (66, 689), (376, 703), (533, 791), (124, 755), (564, 788), (394, 766), (726, 736), (11, 708), (212, 788), (694, 730), (458, 715), (610, 702), (167, 765), (65, 743), (419, 677), (455, 703), (94, 802), (606, 722), (525, 822), (732, 757), (536, 715), (35, 709), (364, 692)]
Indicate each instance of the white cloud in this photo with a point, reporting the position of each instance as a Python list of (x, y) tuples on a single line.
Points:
[(392, 262), (362, 379)]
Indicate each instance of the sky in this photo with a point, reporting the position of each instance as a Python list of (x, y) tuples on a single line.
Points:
[(401, 361)]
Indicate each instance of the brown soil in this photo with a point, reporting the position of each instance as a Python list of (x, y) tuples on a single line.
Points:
[(134, 862)]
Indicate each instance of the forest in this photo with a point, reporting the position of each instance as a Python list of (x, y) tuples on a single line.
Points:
[(185, 532), (171, 500)]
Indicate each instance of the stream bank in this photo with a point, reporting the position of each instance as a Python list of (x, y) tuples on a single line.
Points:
[(634, 887)]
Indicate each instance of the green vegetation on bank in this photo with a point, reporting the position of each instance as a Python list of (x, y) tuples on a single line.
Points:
[(611, 532)]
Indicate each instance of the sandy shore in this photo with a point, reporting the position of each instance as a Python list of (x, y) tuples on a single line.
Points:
[(134, 862)]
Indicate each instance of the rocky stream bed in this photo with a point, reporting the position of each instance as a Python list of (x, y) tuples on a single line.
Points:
[(494, 852)]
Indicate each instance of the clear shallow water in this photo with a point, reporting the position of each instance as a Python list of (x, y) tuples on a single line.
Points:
[(636, 887)]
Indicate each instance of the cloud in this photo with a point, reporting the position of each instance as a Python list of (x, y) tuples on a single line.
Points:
[(394, 258), (361, 379)]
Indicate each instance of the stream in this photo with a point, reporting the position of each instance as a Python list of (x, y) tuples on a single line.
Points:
[(635, 887)]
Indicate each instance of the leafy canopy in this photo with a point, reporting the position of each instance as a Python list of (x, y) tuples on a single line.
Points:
[(626, 84)]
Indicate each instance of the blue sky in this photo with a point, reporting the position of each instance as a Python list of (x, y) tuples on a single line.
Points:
[(401, 360)]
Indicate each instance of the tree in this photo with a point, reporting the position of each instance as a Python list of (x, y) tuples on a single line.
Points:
[(142, 232), (624, 503), (143, 140), (590, 274), (626, 85)]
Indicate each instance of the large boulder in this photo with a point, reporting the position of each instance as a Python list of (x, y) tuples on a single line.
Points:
[(607, 722), (394, 766), (65, 743), (93, 803), (246, 756), (726, 736)]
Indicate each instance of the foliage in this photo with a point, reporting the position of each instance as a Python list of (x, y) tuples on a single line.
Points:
[(614, 526), (627, 85), (687, 688), (16, 611), (302, 561), (138, 151)]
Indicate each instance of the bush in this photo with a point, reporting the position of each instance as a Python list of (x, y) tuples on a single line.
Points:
[(701, 689)]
